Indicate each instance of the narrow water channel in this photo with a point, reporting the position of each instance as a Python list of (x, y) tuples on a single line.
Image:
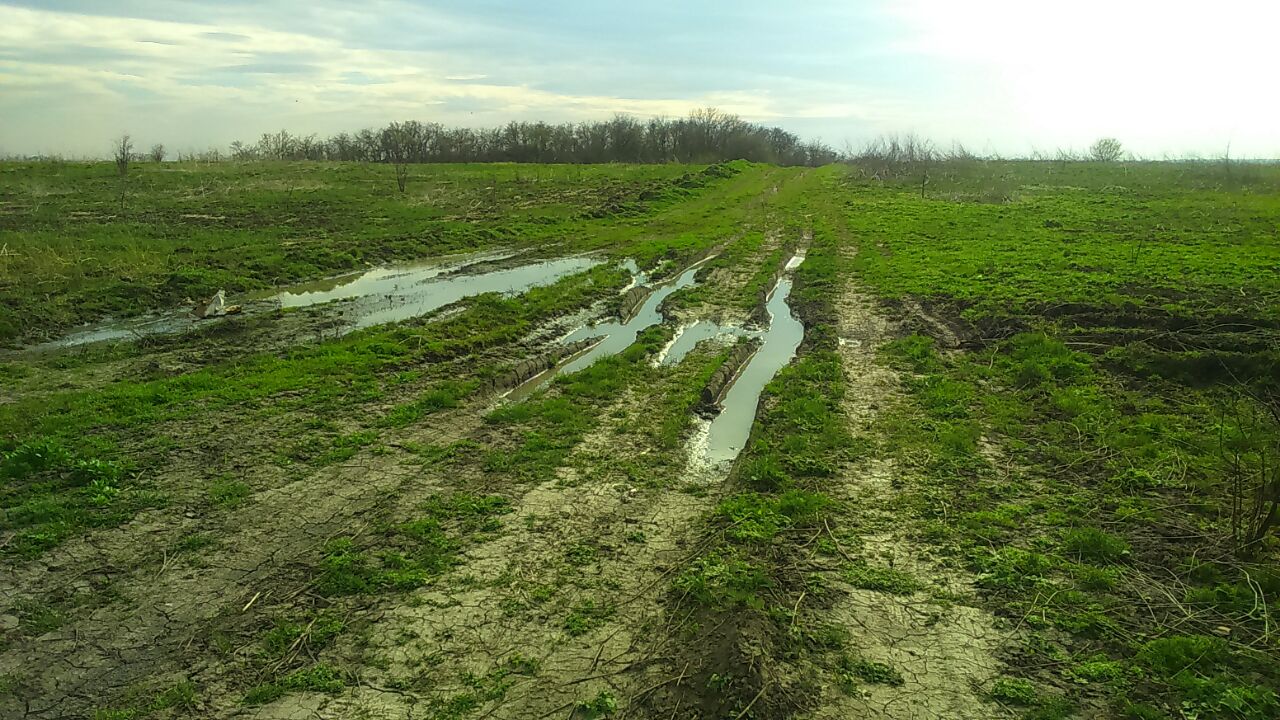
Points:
[(614, 336), (728, 432), (689, 336)]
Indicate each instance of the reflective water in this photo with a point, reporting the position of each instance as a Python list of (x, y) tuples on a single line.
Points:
[(618, 336), (615, 336), (728, 433), (386, 295), (371, 297), (689, 336)]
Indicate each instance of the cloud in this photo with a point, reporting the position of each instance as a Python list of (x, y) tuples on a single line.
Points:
[(249, 75), (1001, 74)]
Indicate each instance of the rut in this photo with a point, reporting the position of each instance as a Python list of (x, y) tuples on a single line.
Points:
[(158, 628), (945, 652)]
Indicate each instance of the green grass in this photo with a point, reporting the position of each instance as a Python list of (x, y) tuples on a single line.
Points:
[(410, 554), (50, 493), (180, 698), (1119, 330), (1122, 326), (317, 678), (882, 579), (130, 417), (187, 230), (746, 579), (854, 669)]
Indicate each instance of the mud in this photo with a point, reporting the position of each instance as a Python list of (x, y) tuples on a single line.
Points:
[(527, 370), (632, 300), (946, 651), (713, 392)]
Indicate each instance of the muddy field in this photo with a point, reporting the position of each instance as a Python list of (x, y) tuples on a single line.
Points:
[(734, 441)]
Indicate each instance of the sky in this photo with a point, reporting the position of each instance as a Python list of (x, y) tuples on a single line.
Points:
[(1011, 77)]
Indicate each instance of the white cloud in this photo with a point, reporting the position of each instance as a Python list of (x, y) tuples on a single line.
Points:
[(213, 83), (1001, 74)]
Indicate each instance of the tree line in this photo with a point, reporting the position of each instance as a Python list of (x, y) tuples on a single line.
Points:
[(705, 136)]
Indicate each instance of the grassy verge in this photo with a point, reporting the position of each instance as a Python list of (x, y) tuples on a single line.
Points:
[(1093, 454)]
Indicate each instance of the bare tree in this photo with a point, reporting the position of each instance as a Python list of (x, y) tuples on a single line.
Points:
[(157, 153), (397, 147), (1106, 150), (123, 150)]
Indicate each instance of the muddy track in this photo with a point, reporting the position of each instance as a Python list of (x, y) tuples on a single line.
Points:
[(574, 586), (163, 611), (945, 651), (586, 538), (164, 621)]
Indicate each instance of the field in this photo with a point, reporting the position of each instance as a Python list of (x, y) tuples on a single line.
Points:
[(1025, 462)]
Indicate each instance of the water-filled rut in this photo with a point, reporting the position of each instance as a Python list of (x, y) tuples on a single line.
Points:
[(612, 337), (727, 433), (372, 297)]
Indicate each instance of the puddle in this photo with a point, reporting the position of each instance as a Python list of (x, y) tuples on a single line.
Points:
[(689, 336), (371, 297), (728, 432), (638, 276), (615, 336), (717, 443), (386, 295)]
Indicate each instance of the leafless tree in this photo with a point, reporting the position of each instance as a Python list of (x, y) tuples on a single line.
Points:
[(1106, 150), (157, 153), (397, 146), (123, 150)]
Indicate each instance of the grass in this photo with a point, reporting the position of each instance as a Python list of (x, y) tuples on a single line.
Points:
[(746, 578), (187, 230), (882, 579), (1070, 296), (1074, 456), (180, 698), (50, 493), (410, 554), (127, 418)]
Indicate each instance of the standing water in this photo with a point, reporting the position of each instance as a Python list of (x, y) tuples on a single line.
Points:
[(385, 295), (689, 336), (728, 433), (372, 297), (615, 336)]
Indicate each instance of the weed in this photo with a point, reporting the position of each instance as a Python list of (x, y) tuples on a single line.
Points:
[(228, 493), (723, 580), (882, 579), (853, 668), (587, 616), (1015, 691), (195, 542), (317, 678), (603, 705), (1094, 545)]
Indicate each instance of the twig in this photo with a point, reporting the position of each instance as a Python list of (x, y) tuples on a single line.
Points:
[(795, 611), (753, 702)]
